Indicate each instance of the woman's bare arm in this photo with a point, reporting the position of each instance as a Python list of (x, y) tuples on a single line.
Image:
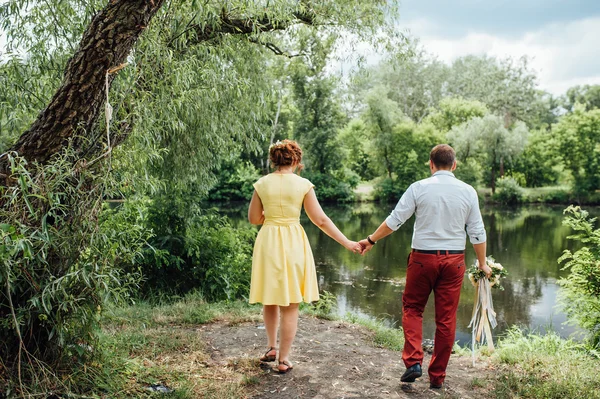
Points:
[(322, 221)]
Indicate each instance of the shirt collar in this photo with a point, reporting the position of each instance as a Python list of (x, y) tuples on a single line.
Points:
[(444, 173)]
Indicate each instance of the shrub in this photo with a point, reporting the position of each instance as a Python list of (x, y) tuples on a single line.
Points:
[(579, 296), (59, 268), (555, 197), (235, 182), (508, 191), (194, 249), (388, 190), (334, 187)]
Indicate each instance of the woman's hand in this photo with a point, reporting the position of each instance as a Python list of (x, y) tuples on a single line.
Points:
[(353, 246)]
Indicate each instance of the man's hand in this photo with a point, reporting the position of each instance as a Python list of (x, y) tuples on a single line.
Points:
[(366, 246), (487, 270)]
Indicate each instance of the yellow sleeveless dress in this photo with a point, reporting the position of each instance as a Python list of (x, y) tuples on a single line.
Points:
[(283, 267)]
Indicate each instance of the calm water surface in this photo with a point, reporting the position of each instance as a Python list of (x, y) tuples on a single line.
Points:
[(526, 240)]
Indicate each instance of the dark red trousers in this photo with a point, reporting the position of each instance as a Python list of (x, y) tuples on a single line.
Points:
[(442, 274)]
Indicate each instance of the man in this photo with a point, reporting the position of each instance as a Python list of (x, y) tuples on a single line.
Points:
[(443, 207)]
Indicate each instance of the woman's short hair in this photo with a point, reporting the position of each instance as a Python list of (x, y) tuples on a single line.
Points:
[(286, 153), (442, 156)]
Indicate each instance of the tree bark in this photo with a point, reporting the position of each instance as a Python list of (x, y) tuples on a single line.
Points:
[(75, 107)]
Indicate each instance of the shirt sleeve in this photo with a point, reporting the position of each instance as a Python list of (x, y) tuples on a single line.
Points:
[(475, 227), (404, 209)]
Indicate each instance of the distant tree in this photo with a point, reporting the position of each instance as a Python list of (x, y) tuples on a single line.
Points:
[(381, 116), (538, 163), (578, 137), (452, 112), (507, 87), (587, 95), (355, 139), (411, 78), (487, 136)]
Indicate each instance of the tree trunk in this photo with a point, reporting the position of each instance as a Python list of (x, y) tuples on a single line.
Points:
[(76, 106), (493, 178)]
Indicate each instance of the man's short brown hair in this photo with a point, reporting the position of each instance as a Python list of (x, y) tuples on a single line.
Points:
[(442, 156)]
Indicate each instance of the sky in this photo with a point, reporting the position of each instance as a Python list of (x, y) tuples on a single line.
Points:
[(561, 37)]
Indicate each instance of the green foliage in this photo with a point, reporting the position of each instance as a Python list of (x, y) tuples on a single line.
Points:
[(401, 147), (455, 111), (469, 171), (586, 95), (507, 87), (539, 162), (508, 191), (194, 250), (533, 366), (411, 78), (59, 269), (337, 186), (235, 182), (356, 141), (578, 135), (324, 308), (383, 336), (490, 141), (580, 290), (320, 114)]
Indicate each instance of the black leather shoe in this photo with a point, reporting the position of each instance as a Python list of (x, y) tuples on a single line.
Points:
[(412, 373)]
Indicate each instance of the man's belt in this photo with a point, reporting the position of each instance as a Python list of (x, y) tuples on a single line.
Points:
[(439, 251)]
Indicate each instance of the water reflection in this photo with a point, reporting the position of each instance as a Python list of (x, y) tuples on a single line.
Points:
[(526, 240)]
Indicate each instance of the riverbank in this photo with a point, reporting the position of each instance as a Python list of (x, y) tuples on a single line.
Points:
[(365, 192), (210, 351)]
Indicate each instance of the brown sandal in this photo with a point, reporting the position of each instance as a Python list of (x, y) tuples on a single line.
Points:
[(269, 358), (288, 366)]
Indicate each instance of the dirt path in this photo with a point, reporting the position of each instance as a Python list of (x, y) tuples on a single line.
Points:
[(334, 359)]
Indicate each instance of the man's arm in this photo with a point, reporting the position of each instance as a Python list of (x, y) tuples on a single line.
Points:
[(382, 231), (402, 212)]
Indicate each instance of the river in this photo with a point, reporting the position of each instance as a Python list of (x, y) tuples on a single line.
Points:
[(526, 240)]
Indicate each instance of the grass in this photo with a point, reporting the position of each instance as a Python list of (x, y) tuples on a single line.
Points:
[(149, 344), (159, 344), (383, 336), (545, 366)]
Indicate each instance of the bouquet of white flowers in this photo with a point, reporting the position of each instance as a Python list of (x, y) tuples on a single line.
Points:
[(498, 272), (483, 319)]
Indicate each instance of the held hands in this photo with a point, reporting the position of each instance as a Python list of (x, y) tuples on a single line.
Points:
[(354, 247), (365, 246)]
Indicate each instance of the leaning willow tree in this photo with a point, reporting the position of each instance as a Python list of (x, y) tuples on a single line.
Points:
[(90, 86)]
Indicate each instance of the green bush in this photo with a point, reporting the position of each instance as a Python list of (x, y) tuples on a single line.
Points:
[(508, 191), (58, 270), (194, 249), (337, 186), (235, 182), (387, 190), (579, 296), (555, 197)]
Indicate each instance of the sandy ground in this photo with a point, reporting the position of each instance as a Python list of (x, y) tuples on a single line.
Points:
[(334, 359)]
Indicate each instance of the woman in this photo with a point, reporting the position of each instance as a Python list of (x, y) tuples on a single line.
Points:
[(283, 268)]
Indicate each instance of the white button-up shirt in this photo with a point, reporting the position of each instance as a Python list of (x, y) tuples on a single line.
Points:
[(443, 207)]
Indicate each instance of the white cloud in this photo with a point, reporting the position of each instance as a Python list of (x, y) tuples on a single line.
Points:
[(562, 54)]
